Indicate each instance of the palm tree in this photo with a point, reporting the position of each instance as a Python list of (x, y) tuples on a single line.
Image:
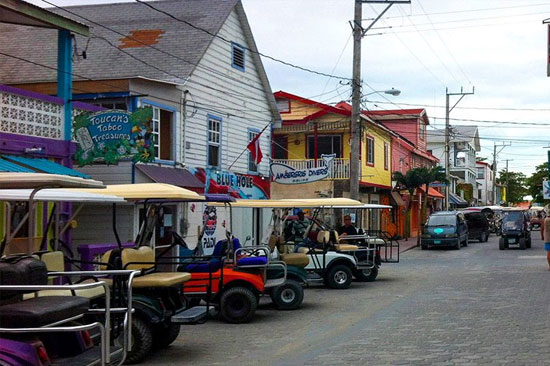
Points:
[(430, 175), (410, 181)]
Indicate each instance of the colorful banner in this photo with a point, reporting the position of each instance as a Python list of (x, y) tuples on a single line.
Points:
[(285, 174), (111, 135), (243, 186)]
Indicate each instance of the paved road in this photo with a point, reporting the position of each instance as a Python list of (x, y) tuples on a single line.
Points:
[(475, 306)]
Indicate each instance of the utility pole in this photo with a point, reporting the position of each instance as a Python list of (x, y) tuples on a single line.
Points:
[(495, 154), (507, 160), (447, 138), (355, 125)]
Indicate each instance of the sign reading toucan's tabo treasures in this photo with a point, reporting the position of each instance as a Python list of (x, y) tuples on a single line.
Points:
[(285, 174), (111, 135)]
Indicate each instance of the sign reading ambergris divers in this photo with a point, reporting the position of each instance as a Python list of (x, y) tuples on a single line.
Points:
[(285, 174), (111, 135)]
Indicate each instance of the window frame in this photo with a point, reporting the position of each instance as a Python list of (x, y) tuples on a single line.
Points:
[(288, 110), (173, 120), (249, 132), (218, 144), (422, 132), (339, 154), (368, 155), (386, 156), (236, 46)]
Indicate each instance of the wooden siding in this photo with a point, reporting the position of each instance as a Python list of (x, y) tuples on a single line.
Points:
[(110, 174), (241, 104), (95, 225)]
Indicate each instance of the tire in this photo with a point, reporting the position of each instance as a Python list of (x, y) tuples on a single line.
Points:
[(501, 244), (423, 246), (339, 277), (528, 243), (288, 296), (367, 275), (522, 243), (487, 237), (483, 237), (466, 242), (238, 305), (142, 341), (458, 244), (165, 334)]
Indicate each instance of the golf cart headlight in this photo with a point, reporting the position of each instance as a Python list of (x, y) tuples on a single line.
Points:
[(451, 236)]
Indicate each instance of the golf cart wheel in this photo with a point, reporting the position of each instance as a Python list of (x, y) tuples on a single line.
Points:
[(366, 275), (165, 334), (142, 341), (288, 296), (483, 237), (458, 244), (501, 244), (528, 243), (522, 243), (238, 305), (339, 277), (487, 237)]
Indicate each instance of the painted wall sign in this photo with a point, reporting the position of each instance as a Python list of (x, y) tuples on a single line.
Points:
[(285, 174), (546, 189), (244, 186), (111, 135)]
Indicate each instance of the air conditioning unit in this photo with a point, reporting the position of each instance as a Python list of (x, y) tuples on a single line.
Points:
[(461, 146)]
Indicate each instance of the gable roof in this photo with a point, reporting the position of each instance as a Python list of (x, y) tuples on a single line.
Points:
[(323, 107), (105, 58), (468, 134)]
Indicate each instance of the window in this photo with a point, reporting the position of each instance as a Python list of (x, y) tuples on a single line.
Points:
[(422, 131), (283, 105), (161, 129), (480, 173), (116, 103), (370, 150), (326, 144), (237, 56), (386, 156), (280, 147), (214, 129), (252, 166)]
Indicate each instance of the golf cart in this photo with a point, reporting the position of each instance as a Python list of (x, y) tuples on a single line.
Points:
[(515, 230), (42, 320), (159, 302)]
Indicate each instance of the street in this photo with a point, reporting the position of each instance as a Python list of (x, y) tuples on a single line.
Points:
[(475, 306)]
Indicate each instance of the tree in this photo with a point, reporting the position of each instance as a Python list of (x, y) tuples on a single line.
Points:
[(516, 185), (416, 178), (534, 183)]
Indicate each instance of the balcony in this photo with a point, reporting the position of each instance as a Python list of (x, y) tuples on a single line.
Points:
[(33, 114), (340, 167)]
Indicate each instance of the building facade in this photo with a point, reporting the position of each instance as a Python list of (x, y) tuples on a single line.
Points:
[(485, 183)]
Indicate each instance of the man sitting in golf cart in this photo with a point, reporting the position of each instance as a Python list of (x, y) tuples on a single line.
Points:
[(299, 228), (347, 228)]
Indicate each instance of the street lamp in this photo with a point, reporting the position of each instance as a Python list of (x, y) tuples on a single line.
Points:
[(392, 91)]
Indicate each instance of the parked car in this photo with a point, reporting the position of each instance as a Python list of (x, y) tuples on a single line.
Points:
[(478, 225), (445, 228)]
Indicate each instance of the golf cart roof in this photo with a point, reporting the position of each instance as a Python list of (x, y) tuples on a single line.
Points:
[(143, 191), (57, 195), (365, 206), (36, 180), (294, 203)]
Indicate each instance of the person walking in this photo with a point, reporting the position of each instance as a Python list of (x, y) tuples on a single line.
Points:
[(545, 234)]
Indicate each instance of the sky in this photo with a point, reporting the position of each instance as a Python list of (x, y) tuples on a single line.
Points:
[(498, 49)]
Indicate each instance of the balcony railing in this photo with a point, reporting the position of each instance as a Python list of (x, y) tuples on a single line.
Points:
[(340, 167)]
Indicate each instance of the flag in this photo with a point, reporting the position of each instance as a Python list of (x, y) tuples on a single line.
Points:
[(254, 147)]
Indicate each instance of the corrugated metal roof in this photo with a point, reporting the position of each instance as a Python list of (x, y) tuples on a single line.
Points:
[(6, 166), (178, 177), (43, 165)]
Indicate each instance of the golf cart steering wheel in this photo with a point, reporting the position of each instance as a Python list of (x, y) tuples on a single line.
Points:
[(179, 240)]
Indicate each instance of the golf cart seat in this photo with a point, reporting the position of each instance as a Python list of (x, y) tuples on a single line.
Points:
[(41, 311), (249, 256), (342, 247), (295, 259), (55, 262)]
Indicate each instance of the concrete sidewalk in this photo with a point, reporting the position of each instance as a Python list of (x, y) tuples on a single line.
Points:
[(405, 245)]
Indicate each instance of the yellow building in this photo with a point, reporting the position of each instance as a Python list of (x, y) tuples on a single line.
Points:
[(310, 130)]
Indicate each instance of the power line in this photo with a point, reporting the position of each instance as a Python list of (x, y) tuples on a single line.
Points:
[(248, 49), (475, 108)]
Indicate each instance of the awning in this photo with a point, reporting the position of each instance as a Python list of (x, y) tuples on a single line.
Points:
[(396, 198), (7, 167), (457, 200), (432, 193), (39, 165), (177, 177)]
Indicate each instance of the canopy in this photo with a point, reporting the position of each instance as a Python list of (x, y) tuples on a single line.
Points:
[(294, 203), (365, 206), (56, 195), (143, 191), (36, 180), (41, 165)]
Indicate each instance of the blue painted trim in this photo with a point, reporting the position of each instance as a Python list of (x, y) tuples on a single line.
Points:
[(133, 104), (164, 162), (233, 46), (248, 130), (65, 79), (211, 116), (158, 105)]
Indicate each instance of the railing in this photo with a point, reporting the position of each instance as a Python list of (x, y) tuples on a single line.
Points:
[(340, 167), (29, 113)]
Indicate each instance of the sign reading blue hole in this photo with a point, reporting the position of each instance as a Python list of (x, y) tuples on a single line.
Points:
[(438, 230)]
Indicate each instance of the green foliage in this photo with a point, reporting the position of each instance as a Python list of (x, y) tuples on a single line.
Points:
[(467, 190), (534, 183), (516, 185)]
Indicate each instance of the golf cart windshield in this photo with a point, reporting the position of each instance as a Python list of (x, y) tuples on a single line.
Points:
[(442, 220), (512, 220)]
